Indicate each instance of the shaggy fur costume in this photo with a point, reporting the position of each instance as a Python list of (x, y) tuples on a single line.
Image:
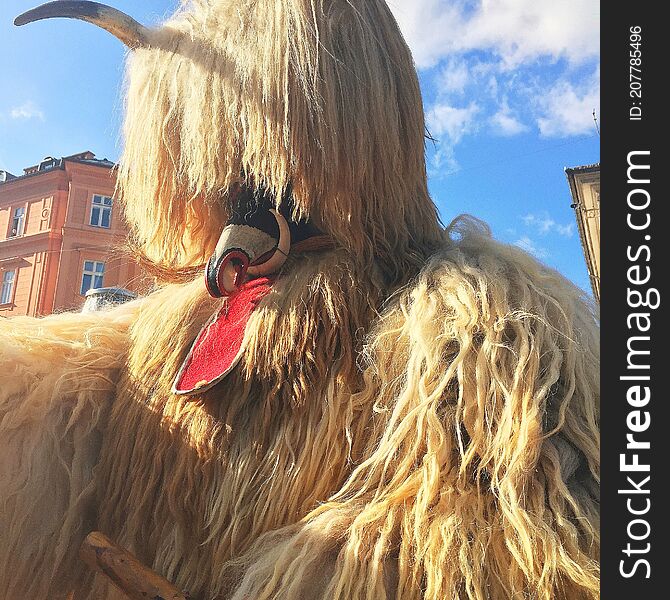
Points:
[(417, 411)]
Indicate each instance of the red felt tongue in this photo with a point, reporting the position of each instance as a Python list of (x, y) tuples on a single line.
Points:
[(219, 345)]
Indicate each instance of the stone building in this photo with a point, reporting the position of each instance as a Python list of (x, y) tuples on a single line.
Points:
[(584, 185)]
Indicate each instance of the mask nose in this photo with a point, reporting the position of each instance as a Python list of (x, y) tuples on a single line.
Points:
[(229, 273), (245, 250)]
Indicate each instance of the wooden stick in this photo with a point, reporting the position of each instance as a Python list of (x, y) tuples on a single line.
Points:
[(127, 573)]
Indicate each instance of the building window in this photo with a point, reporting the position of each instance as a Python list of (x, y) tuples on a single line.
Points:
[(101, 211), (92, 275), (7, 287), (18, 221)]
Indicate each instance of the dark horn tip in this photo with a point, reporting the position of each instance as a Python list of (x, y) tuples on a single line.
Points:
[(119, 24), (22, 19), (60, 8)]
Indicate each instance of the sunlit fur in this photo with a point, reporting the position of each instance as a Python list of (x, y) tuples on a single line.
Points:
[(319, 94), (417, 412), (479, 476), (57, 379)]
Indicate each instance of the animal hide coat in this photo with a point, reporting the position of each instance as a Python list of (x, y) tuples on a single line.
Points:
[(416, 412)]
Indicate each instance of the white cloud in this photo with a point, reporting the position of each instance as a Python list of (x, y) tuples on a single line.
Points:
[(567, 108), (448, 124), (27, 110), (525, 243), (452, 121), (505, 123), (515, 30), (544, 225), (566, 230), (492, 86), (428, 27), (444, 161), (453, 78), (526, 64)]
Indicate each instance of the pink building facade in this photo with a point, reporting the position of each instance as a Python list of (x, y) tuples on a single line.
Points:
[(60, 232)]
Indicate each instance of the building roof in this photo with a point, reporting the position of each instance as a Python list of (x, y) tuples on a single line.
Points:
[(49, 163), (595, 167)]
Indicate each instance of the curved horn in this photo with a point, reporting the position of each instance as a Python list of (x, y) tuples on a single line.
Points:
[(119, 24)]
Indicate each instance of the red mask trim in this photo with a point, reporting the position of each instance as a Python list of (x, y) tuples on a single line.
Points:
[(220, 344)]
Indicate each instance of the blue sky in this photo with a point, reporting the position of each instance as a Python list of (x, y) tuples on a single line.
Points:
[(509, 89)]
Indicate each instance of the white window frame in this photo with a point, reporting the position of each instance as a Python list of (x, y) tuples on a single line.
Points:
[(7, 286), (98, 201), (94, 273), (21, 227)]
